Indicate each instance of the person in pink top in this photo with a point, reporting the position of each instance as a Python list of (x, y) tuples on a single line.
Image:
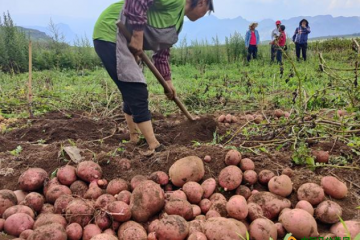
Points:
[(252, 40), (280, 44)]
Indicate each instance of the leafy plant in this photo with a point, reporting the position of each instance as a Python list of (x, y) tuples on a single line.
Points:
[(302, 155), (16, 152)]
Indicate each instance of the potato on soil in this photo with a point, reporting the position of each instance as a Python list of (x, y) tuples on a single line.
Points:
[(243, 191), (194, 192), (124, 164), (7, 199), (110, 232), (196, 210), (61, 203), (232, 157), (179, 207), (104, 200), (55, 192), (205, 205), (328, 212), (250, 177), (178, 194), (201, 217), (49, 183), (265, 176), (116, 186), (90, 231), (305, 205), (321, 156), (224, 229), (196, 226), (263, 228), (52, 231), (237, 207), (280, 185), (94, 191), (288, 171), (20, 195), (79, 211), (249, 117), (79, 188), (230, 178), (135, 181), (197, 236), (172, 227), (270, 203), (207, 159), (221, 118), (120, 211), (17, 223), (218, 204), (47, 208), (89, 171), (18, 209), (254, 211), (25, 234), (247, 164), (212, 214), (32, 179), (333, 187), (153, 225), (209, 186), (48, 218), (281, 231), (279, 113), (132, 231), (258, 118), (300, 223), (34, 200), (353, 227), (146, 200), (186, 170), (102, 220), (160, 178), (66, 175), (74, 231), (311, 192), (123, 196), (104, 236)]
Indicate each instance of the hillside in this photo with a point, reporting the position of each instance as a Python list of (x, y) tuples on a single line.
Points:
[(35, 35)]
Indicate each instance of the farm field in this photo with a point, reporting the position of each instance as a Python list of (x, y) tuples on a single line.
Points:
[(283, 118)]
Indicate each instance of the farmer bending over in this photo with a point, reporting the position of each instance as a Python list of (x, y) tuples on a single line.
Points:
[(155, 25)]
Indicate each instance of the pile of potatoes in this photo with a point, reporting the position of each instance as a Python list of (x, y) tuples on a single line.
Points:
[(79, 204)]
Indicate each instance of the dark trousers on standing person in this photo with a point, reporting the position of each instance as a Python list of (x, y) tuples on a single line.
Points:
[(252, 52), (279, 53), (301, 48)]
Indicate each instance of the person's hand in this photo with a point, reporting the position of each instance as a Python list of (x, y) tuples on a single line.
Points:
[(172, 94), (136, 44)]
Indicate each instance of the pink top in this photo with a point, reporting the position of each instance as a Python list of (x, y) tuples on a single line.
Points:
[(253, 38)]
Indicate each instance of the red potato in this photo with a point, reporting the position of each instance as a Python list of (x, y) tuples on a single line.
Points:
[(254, 192), (243, 191), (52, 231), (280, 185), (212, 214), (194, 192), (115, 225), (230, 178), (146, 200), (2, 222), (254, 211), (263, 228), (47, 208), (279, 113), (104, 236), (153, 225), (228, 118), (186, 170), (234, 119), (321, 156), (258, 118), (94, 191), (249, 117), (125, 164), (160, 178), (120, 211), (218, 197), (271, 204), (61, 203), (135, 181), (26, 234), (201, 217), (287, 114), (250, 177), (66, 175), (178, 194), (116, 186), (333, 187), (50, 183), (196, 210), (233, 157), (172, 227), (110, 232), (7, 199), (328, 212), (48, 218), (197, 236), (90, 231), (311, 192), (123, 196), (265, 176), (104, 200), (102, 220), (196, 226), (247, 164), (281, 231), (205, 205), (207, 159), (208, 186), (221, 118), (179, 207), (305, 205), (132, 231), (89, 171), (341, 113), (227, 124), (224, 229), (218, 204), (237, 207), (20, 195), (152, 236), (18, 209), (17, 223), (79, 211), (74, 231), (34, 200), (32, 179), (300, 223), (79, 188), (352, 226), (55, 192), (288, 172)]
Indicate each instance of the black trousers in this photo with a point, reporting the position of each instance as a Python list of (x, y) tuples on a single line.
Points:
[(252, 52), (279, 54), (135, 95), (301, 48)]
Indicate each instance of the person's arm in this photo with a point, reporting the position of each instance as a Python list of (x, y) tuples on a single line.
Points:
[(247, 39), (307, 30), (296, 32), (257, 38), (161, 61)]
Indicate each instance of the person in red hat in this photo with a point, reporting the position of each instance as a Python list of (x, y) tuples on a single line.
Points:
[(274, 35)]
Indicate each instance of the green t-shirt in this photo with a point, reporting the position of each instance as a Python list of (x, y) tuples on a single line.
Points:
[(105, 28)]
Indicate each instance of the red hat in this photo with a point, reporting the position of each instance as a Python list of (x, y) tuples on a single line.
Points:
[(278, 22)]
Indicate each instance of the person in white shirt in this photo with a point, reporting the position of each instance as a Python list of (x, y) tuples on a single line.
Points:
[(274, 35)]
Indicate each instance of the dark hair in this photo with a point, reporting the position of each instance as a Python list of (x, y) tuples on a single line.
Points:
[(194, 3), (282, 27)]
